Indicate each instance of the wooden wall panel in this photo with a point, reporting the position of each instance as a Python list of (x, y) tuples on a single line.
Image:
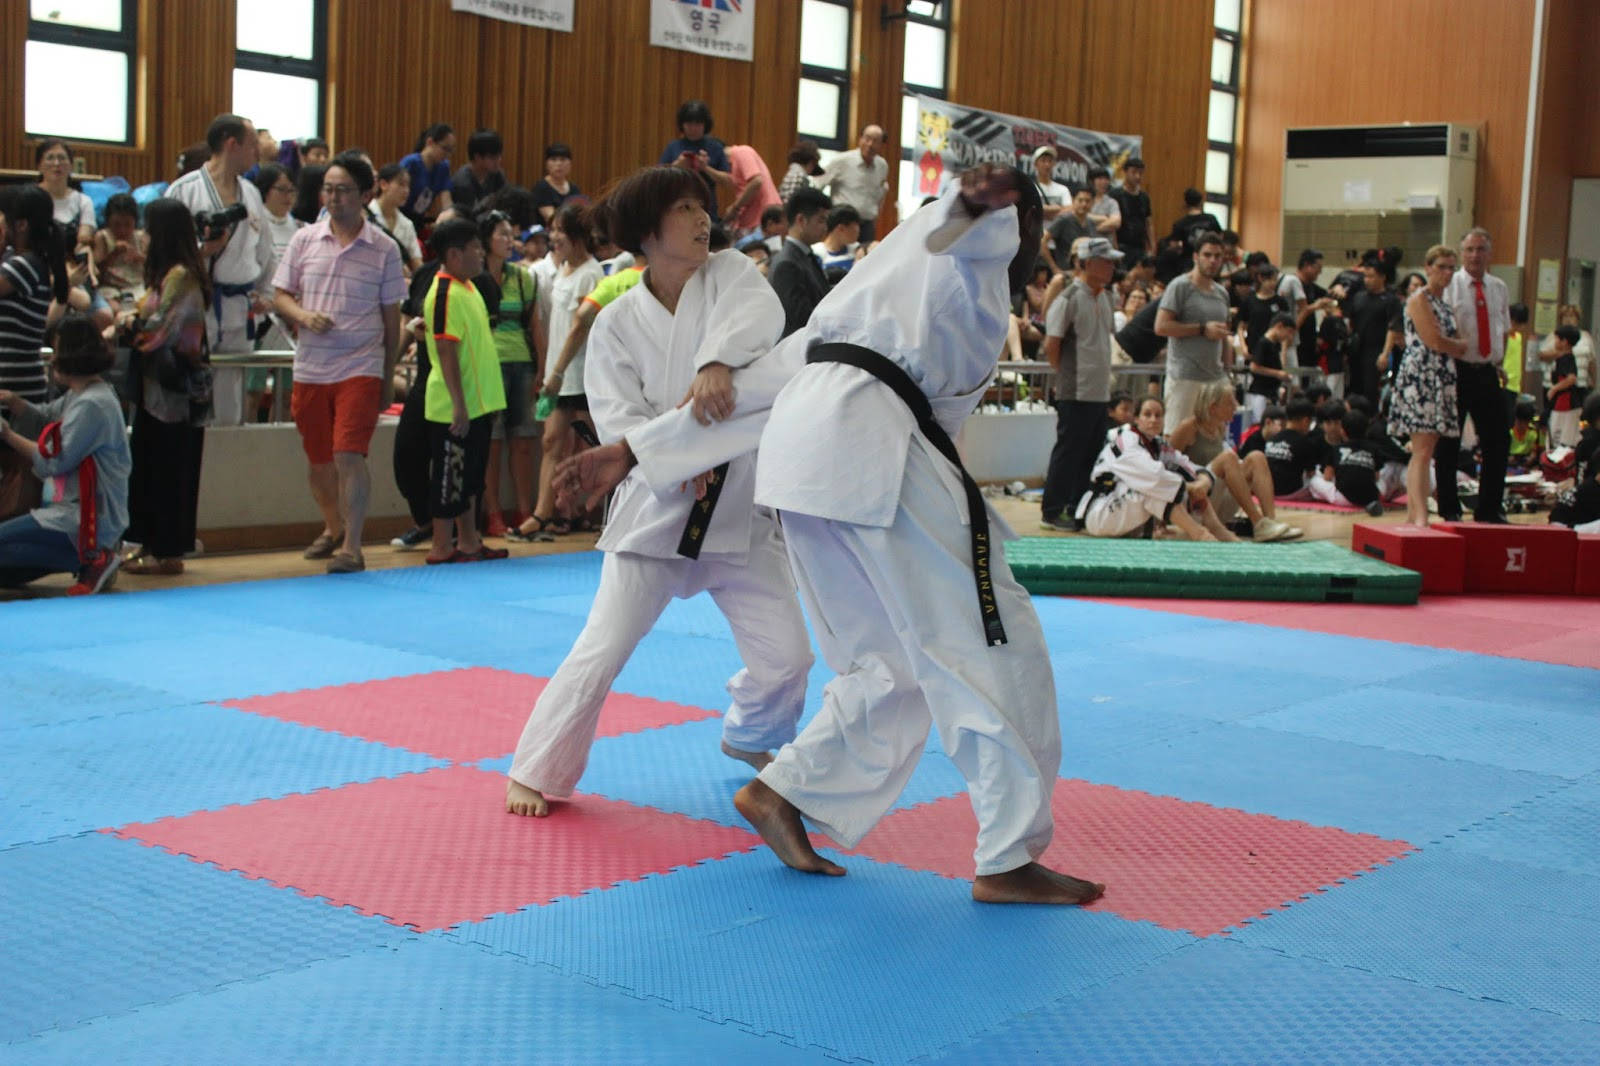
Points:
[(1365, 62), (183, 80), (1121, 66), (1569, 100)]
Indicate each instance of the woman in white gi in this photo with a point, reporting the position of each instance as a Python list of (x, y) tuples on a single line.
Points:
[(1140, 482), (675, 338), (880, 528)]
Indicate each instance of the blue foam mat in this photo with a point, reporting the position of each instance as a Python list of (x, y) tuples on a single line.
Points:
[(1246, 644), (1556, 832), (36, 695), (425, 1001), (681, 769), (1219, 1001), (1363, 789), (1430, 723), (825, 961), (218, 663), (59, 780), (94, 925), (1483, 927), (1519, 682)]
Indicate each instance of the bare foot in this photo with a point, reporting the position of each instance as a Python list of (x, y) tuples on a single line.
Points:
[(778, 822), (520, 799), (758, 759), (1034, 884)]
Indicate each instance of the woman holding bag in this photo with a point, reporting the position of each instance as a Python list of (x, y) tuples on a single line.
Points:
[(174, 375)]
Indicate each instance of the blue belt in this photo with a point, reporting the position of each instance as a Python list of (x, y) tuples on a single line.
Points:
[(221, 290)]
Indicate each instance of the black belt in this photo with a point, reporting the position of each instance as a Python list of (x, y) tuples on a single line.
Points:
[(694, 531), (892, 375)]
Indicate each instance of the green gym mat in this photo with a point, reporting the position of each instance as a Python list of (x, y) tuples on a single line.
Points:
[(1312, 571)]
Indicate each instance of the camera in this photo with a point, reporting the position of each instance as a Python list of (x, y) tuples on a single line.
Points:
[(210, 225)]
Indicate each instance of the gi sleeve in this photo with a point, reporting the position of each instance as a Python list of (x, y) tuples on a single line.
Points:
[(613, 385), (1140, 471), (747, 313)]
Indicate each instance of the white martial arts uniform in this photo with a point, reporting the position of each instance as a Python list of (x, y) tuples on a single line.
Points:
[(247, 259), (1149, 481), (876, 523), (641, 360)]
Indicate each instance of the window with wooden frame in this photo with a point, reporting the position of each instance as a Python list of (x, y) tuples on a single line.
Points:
[(1222, 122), (280, 65), (78, 70), (825, 40)]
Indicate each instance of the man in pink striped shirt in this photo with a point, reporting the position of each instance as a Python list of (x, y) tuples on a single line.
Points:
[(340, 284)]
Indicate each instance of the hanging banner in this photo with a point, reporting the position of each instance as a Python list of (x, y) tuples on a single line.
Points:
[(952, 138), (723, 28), (546, 14)]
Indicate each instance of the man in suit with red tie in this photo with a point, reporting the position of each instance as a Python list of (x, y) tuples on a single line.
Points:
[(1482, 307)]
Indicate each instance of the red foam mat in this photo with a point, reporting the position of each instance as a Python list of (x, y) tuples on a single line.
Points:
[(433, 849), (464, 715), (1547, 629), (1181, 865)]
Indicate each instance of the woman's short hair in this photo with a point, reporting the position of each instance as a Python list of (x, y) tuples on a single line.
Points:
[(805, 153), (1438, 252), (1566, 311), (391, 171), (81, 351), (694, 111), (633, 208), (267, 176), (122, 204)]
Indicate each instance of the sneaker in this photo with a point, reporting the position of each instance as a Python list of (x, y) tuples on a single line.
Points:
[(98, 575), (411, 539), (1061, 524), (1270, 529), (1375, 509)]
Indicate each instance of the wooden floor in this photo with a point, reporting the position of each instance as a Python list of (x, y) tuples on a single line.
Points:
[(255, 566)]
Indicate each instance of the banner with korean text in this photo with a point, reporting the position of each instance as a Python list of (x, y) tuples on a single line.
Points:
[(952, 138), (723, 28), (546, 14)]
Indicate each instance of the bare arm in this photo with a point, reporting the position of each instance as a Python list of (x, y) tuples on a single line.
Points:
[(750, 191), (448, 366), (1183, 436), (1168, 325), (1428, 327), (581, 322), (286, 305), (393, 337)]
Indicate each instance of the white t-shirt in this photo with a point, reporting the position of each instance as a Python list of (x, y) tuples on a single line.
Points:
[(565, 296), (1054, 192), (403, 231), (74, 210)]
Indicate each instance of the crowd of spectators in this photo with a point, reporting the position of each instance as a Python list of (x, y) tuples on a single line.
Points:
[(261, 245)]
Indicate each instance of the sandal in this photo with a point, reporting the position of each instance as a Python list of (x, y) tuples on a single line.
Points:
[(482, 555), (323, 547), (541, 533), (150, 566), (453, 557)]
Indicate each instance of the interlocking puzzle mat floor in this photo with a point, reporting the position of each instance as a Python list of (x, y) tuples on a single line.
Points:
[(263, 823)]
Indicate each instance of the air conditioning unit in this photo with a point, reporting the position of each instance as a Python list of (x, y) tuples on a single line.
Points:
[(1350, 188)]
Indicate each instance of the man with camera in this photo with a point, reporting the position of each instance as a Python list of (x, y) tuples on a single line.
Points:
[(230, 220)]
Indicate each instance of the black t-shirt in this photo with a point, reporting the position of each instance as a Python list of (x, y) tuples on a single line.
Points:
[(1371, 316), (1187, 227), (1138, 338), (1565, 366), (1135, 206), (1289, 455), (416, 296), (466, 190), (1308, 328), (1267, 353), (1063, 231), (1258, 314), (1333, 339), (547, 195), (1355, 473)]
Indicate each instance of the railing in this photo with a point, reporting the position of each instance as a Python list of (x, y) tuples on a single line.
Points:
[(1019, 384), (280, 362)]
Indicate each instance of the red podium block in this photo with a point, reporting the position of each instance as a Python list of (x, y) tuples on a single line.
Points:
[(1588, 577), (1518, 558), (1438, 555)]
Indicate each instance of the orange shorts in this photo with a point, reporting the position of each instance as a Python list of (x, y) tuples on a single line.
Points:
[(336, 417)]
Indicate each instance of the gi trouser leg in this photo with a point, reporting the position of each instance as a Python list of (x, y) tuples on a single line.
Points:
[(894, 616)]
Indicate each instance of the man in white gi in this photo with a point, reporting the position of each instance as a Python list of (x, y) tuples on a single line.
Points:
[(238, 252), (690, 321), (913, 604)]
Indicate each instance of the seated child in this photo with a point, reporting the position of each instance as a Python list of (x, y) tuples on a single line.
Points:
[(1294, 450), (1256, 437), (1119, 412), (1563, 407), (1527, 438), (1580, 506), (1358, 477), (1139, 483), (119, 251)]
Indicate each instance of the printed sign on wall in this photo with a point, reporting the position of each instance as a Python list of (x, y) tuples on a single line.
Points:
[(546, 14), (952, 138), (723, 28)]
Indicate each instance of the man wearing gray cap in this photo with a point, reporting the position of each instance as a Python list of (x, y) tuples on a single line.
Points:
[(1077, 326)]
